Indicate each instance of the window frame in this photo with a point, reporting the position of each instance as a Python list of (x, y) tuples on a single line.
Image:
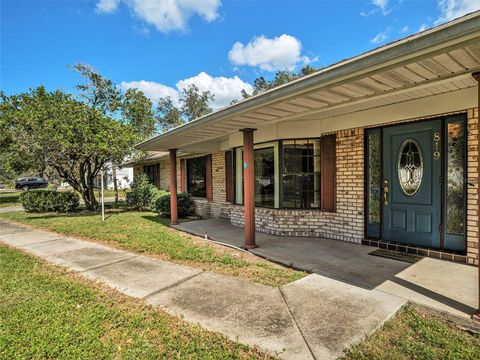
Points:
[(155, 173), (187, 176), (237, 163)]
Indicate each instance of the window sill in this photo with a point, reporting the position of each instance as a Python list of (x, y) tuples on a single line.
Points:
[(264, 208)]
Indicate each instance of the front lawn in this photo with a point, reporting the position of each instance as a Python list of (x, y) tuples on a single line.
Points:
[(413, 335), (47, 313), (10, 198), (146, 232)]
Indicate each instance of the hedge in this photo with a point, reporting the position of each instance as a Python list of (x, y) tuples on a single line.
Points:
[(49, 201), (142, 193), (186, 206)]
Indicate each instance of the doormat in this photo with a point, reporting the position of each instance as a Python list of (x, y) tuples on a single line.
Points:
[(396, 255)]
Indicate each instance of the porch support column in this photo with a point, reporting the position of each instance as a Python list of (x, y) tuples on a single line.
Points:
[(476, 76), (249, 188), (173, 187)]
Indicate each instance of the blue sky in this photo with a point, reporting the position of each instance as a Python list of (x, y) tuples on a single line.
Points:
[(161, 46)]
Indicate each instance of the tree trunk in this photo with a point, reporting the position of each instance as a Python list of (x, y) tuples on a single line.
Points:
[(90, 194), (115, 187)]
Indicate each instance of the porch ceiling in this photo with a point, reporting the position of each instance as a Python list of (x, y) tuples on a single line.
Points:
[(433, 62)]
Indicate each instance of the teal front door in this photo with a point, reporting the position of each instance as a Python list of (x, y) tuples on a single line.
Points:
[(411, 185)]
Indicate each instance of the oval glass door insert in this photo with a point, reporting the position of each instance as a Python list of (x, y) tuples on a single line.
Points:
[(410, 167)]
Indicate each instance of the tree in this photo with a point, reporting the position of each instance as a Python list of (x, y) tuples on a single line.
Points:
[(134, 107), (99, 93), (64, 133), (307, 70), (194, 103), (281, 77), (168, 115), (137, 111)]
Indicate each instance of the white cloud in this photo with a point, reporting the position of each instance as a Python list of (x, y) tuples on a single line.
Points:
[(382, 4), (404, 29), (153, 90), (225, 89), (452, 9), (107, 6), (166, 15), (423, 27), (380, 37), (279, 53)]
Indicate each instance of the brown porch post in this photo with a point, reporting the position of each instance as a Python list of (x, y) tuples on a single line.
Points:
[(249, 188), (476, 76), (173, 187)]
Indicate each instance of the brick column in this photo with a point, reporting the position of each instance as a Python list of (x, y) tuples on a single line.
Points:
[(173, 188), (476, 76), (249, 188)]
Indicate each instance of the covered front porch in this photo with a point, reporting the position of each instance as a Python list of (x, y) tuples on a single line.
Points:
[(444, 286), (382, 147)]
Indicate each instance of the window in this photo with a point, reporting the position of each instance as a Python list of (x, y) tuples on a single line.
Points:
[(196, 176), (153, 173), (374, 181), (291, 174), (264, 177), (455, 187), (301, 174), (410, 167)]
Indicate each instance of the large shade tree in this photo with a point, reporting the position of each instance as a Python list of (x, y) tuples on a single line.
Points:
[(55, 129), (76, 135)]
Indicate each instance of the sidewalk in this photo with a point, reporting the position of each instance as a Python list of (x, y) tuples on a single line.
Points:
[(312, 318)]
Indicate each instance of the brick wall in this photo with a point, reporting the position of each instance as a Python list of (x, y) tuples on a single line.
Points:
[(347, 223), (472, 190), (220, 208)]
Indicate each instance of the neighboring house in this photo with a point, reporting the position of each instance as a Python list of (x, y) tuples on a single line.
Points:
[(378, 149), (124, 178)]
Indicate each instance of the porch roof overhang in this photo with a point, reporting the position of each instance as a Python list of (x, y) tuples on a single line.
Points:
[(429, 63)]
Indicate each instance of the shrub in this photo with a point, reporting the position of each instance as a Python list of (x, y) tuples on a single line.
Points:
[(186, 206), (49, 201), (140, 196)]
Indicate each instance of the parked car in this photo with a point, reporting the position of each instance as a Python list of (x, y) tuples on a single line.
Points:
[(31, 183)]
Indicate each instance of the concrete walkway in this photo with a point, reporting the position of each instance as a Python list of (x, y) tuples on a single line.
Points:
[(312, 318), (441, 285), (14, 208)]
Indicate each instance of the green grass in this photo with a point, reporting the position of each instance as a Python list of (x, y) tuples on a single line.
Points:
[(9, 198), (413, 335), (146, 232), (46, 312)]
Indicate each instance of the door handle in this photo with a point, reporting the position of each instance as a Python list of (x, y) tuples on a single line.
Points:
[(385, 192)]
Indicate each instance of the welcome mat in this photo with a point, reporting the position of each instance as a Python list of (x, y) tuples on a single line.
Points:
[(396, 255)]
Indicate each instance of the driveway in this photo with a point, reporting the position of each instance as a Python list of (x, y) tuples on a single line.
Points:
[(315, 317), (442, 285)]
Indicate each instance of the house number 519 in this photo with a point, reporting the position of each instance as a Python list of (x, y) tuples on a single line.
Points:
[(436, 144)]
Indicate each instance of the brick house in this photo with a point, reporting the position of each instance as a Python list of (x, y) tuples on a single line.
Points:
[(380, 149)]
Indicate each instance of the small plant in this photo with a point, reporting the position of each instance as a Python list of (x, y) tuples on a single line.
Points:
[(186, 206), (142, 191), (49, 201)]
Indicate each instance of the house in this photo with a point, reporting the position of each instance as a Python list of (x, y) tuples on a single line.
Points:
[(380, 149), (124, 178)]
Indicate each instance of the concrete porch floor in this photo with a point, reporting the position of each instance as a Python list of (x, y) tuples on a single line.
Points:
[(441, 285)]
